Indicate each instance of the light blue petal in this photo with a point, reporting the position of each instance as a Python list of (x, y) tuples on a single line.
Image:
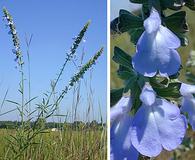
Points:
[(155, 49), (187, 89), (148, 96), (153, 56), (153, 22), (156, 127), (171, 65), (144, 134), (167, 38), (171, 124), (143, 61), (121, 147), (145, 43), (144, 67), (188, 105), (122, 106)]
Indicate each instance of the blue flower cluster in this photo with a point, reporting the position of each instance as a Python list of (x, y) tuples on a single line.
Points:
[(158, 123)]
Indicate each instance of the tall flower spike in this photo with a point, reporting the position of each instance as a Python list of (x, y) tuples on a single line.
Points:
[(121, 147), (157, 124), (15, 39), (155, 50), (188, 102)]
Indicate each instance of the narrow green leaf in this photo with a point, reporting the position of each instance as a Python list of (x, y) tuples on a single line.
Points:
[(177, 22), (125, 73), (135, 34), (135, 94), (122, 58), (130, 83), (129, 21)]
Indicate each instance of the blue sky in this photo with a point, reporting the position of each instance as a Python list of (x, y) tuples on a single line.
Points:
[(117, 5), (53, 25)]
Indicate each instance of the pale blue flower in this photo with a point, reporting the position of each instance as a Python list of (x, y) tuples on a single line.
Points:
[(188, 102), (157, 124), (120, 143), (122, 107), (155, 52)]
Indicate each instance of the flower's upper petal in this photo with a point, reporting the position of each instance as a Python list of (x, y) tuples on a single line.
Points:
[(171, 124), (122, 106), (152, 23), (187, 89), (156, 127), (148, 95), (121, 147), (143, 61), (188, 105), (170, 63)]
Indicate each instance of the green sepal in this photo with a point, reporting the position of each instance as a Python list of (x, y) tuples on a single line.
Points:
[(158, 82), (171, 91), (115, 95)]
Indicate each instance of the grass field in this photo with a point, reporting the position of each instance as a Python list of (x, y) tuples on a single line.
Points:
[(59, 145)]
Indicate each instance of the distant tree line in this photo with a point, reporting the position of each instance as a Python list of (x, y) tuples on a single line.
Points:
[(49, 125)]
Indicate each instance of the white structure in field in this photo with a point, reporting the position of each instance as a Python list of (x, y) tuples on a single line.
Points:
[(54, 129)]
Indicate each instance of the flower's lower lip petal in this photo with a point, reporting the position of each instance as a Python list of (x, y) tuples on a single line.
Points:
[(121, 147), (144, 133), (188, 105), (157, 126), (172, 66), (171, 124), (187, 89), (143, 65), (163, 106)]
